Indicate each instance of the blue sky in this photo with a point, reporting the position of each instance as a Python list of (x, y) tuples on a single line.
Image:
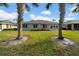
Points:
[(39, 13)]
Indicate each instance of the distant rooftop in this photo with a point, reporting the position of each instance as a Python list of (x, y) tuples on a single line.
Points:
[(6, 22), (41, 22), (71, 21)]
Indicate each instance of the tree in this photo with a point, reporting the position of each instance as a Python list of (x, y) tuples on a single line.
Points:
[(20, 10), (62, 14)]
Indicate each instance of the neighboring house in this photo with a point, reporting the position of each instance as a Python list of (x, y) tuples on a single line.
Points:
[(7, 25), (71, 25), (40, 24)]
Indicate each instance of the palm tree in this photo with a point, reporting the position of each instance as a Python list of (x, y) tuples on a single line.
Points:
[(62, 14), (20, 10)]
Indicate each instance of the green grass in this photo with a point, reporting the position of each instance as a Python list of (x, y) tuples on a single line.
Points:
[(39, 43)]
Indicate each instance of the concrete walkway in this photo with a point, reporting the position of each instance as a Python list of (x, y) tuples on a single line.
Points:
[(64, 43), (15, 41)]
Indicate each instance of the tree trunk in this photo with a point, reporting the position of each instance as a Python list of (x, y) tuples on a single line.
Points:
[(62, 14), (20, 11)]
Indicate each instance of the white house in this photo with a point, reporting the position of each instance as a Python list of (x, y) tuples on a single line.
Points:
[(40, 25), (7, 25), (71, 25)]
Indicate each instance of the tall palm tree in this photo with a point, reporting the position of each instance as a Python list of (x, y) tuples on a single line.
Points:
[(20, 10), (62, 14)]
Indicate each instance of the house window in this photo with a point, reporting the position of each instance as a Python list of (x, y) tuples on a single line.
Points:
[(51, 26), (24, 25), (35, 25), (44, 26), (56, 26)]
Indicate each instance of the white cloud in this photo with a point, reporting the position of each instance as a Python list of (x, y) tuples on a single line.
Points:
[(73, 8), (71, 14), (46, 12), (34, 17), (69, 18), (5, 15), (65, 19)]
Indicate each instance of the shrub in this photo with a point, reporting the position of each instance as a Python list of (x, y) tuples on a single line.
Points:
[(10, 29), (39, 29)]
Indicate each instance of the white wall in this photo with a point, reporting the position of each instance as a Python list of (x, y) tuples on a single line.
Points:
[(3, 26), (30, 26)]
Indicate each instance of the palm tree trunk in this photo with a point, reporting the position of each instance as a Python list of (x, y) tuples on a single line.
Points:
[(62, 14), (20, 10)]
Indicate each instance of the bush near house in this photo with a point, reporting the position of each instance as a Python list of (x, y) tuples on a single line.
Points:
[(10, 29), (39, 29)]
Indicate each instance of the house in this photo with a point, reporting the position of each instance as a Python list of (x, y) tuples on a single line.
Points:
[(7, 25), (71, 25), (40, 25)]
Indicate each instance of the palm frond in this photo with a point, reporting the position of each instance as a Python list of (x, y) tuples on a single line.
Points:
[(48, 5), (35, 4), (27, 7), (4, 4), (76, 9)]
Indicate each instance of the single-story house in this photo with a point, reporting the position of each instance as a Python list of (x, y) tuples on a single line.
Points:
[(7, 25), (40, 24), (71, 25)]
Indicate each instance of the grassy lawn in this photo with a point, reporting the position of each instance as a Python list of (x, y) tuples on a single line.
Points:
[(40, 43)]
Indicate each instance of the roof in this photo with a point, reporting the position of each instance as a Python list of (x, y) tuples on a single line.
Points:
[(40, 22), (6, 22), (72, 22)]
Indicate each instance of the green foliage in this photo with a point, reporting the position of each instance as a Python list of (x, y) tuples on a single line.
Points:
[(39, 44), (4, 4)]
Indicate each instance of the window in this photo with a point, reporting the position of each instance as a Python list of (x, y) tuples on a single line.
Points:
[(51, 26), (35, 25), (56, 26), (24, 25), (44, 26)]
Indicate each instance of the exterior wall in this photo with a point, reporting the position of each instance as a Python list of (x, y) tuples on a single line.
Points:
[(13, 26), (54, 27), (40, 26), (71, 27), (7, 26), (3, 26)]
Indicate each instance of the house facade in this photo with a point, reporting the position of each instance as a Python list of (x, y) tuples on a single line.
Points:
[(71, 25), (40, 25), (7, 25)]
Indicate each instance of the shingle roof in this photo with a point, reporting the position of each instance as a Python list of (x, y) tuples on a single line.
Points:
[(6, 22), (41, 22)]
